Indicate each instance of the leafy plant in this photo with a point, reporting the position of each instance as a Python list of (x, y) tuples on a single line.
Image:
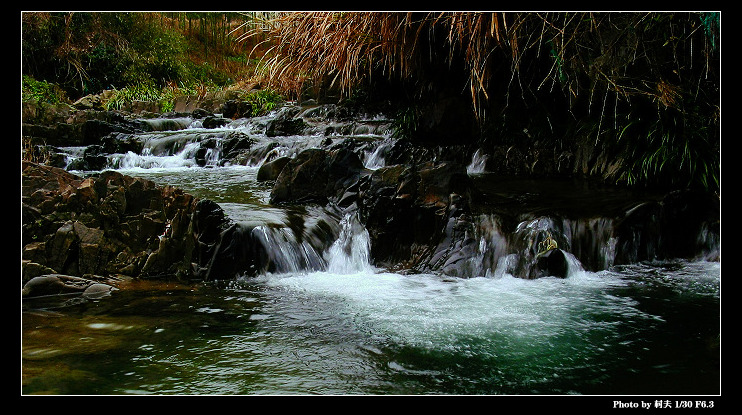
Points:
[(405, 123), (142, 91), (41, 91), (659, 152), (263, 101)]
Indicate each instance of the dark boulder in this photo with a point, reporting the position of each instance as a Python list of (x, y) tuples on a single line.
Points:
[(286, 123), (214, 122), (94, 130), (317, 176), (118, 142), (200, 113), (272, 169), (236, 144), (234, 109), (94, 158), (407, 210), (552, 263)]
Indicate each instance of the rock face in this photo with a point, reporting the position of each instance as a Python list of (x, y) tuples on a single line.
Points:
[(407, 209), (317, 176), (112, 224), (684, 224)]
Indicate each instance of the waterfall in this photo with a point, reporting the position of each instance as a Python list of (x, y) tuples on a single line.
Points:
[(478, 161), (167, 124), (585, 243), (592, 240), (287, 253), (148, 160), (374, 159), (351, 252), (321, 242), (213, 155), (492, 257)]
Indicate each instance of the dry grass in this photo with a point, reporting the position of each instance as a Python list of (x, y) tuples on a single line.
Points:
[(607, 66), (590, 53), (346, 48)]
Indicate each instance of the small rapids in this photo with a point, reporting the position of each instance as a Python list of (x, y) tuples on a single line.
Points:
[(322, 318), (580, 221)]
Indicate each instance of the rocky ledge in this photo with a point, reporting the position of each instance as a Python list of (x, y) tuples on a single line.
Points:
[(110, 226)]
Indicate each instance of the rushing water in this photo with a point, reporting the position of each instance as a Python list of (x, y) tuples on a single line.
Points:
[(346, 327)]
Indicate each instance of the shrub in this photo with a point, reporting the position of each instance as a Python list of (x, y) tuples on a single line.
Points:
[(41, 91)]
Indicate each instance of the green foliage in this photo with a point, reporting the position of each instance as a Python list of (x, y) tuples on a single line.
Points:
[(157, 55), (263, 101), (41, 91), (142, 91), (405, 123), (85, 53), (671, 150)]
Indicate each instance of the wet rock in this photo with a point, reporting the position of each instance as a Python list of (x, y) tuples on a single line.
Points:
[(272, 169), (236, 109), (97, 290), (93, 158), (80, 128), (552, 263), (59, 284), (407, 210), (236, 144), (317, 176), (110, 224), (200, 113), (684, 224), (95, 129), (286, 123), (122, 143), (214, 122)]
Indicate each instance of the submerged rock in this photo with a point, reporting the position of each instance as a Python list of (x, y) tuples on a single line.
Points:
[(58, 284)]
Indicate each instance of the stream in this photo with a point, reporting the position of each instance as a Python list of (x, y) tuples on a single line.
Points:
[(329, 322)]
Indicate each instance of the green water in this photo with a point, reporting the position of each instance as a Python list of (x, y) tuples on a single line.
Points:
[(647, 329)]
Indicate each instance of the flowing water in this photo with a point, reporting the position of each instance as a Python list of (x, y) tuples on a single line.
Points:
[(326, 321)]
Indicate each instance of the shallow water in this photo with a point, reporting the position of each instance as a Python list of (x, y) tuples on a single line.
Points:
[(644, 329)]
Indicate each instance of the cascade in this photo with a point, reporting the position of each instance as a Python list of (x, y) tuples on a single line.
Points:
[(286, 252), (321, 242), (147, 160), (478, 162), (584, 243), (592, 229), (213, 154), (374, 159), (167, 124), (351, 252)]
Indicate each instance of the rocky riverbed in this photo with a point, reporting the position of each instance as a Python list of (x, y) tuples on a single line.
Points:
[(422, 206)]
